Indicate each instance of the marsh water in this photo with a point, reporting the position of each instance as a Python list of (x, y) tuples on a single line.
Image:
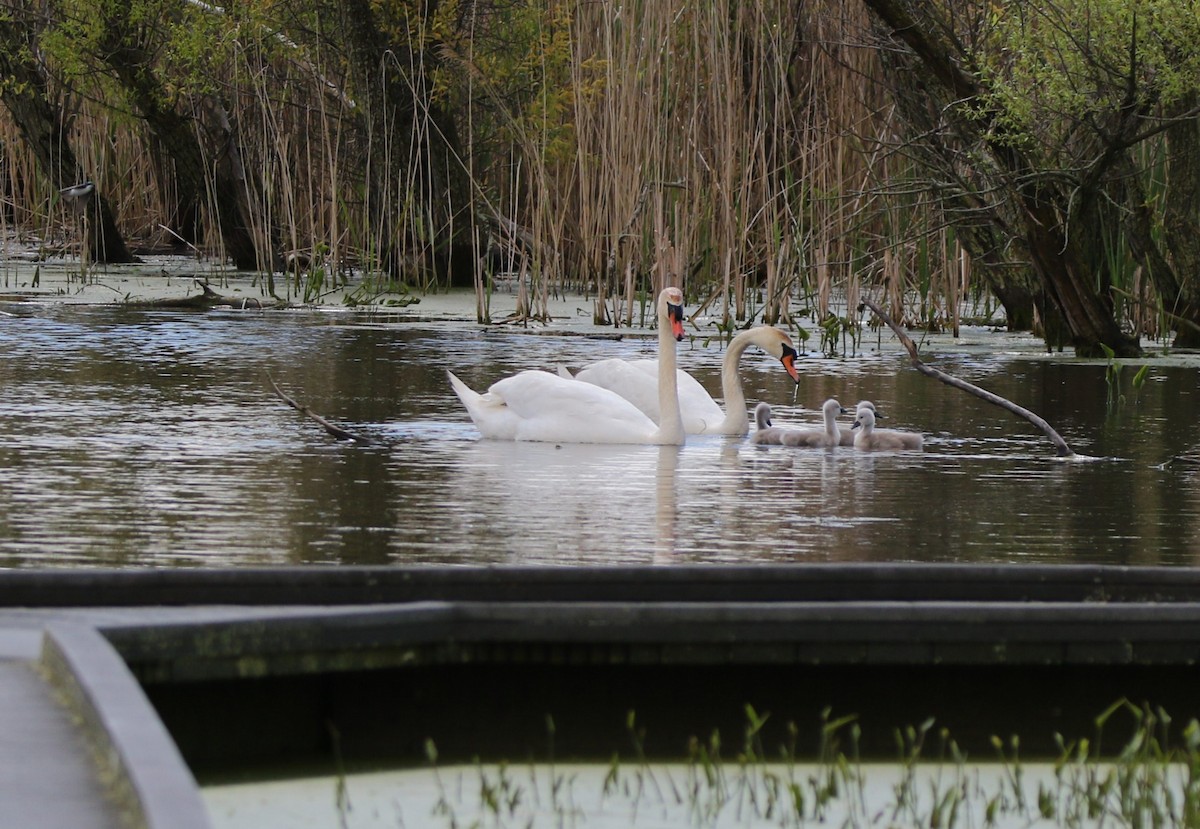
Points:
[(151, 438)]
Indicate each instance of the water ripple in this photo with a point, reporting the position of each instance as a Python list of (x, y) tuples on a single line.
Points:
[(152, 439)]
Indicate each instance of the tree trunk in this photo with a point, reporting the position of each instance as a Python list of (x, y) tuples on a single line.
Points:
[(177, 136), (981, 223), (1181, 221), (1043, 219), (251, 244), (1069, 276), (23, 91)]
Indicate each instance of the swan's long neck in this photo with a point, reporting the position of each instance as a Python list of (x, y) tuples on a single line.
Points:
[(670, 424), (762, 416), (831, 427), (736, 420)]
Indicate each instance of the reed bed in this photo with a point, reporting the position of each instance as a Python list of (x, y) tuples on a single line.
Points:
[(737, 149)]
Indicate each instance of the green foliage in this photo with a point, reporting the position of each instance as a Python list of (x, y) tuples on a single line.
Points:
[(1139, 380), (188, 49), (1149, 780), (198, 52), (1112, 379), (516, 77), (836, 331), (1056, 67)]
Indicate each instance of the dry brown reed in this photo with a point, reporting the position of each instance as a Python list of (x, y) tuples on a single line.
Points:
[(734, 148)]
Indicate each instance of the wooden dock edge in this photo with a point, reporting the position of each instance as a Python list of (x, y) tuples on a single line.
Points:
[(357, 585), (238, 669), (136, 757)]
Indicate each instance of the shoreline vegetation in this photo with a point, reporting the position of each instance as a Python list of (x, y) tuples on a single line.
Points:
[(174, 283), (1148, 779), (768, 158)]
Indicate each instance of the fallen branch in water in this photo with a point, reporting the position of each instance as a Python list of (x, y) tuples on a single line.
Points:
[(336, 431), (1190, 460), (205, 301), (1064, 451)]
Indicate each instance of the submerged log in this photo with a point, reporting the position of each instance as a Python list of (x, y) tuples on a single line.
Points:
[(1063, 450), (205, 301)]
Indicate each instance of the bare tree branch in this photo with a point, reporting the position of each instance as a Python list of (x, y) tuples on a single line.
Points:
[(1064, 451), (336, 431)]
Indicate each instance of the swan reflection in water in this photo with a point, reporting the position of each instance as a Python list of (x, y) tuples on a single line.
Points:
[(571, 502)]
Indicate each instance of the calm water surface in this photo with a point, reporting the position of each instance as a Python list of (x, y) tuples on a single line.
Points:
[(152, 439)]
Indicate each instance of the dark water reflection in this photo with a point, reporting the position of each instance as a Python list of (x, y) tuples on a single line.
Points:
[(151, 439)]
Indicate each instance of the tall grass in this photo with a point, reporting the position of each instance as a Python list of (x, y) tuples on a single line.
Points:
[(1148, 779), (737, 149)]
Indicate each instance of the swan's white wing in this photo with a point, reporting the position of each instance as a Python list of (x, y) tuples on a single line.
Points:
[(540, 406), (637, 382), (627, 378), (697, 405)]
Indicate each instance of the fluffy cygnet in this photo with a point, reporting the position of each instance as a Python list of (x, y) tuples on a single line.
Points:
[(868, 437), (764, 433), (777, 435), (847, 432)]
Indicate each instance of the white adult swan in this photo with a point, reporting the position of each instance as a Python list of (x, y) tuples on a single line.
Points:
[(869, 437), (826, 437), (538, 405), (637, 382)]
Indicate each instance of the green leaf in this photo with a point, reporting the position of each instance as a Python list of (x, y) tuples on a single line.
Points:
[(1139, 379)]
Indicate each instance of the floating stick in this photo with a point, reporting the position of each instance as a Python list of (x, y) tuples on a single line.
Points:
[(337, 431)]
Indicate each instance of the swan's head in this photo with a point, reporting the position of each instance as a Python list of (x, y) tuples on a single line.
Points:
[(671, 303), (833, 408), (779, 345), (864, 419), (788, 358), (867, 404), (762, 415)]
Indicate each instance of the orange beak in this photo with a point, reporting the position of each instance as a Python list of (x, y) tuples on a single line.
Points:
[(675, 312), (789, 362)]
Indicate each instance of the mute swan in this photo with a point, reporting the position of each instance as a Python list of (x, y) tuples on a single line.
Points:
[(848, 433), (538, 405), (636, 381), (829, 436), (870, 438), (764, 433)]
